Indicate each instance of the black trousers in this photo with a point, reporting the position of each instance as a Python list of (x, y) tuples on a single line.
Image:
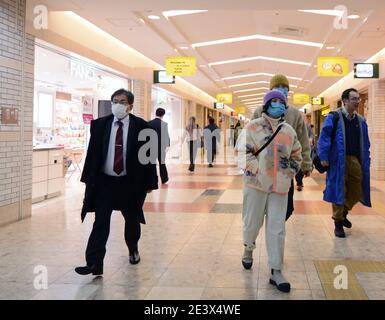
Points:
[(211, 155), (162, 167), (290, 201), (193, 148), (109, 195), (299, 178)]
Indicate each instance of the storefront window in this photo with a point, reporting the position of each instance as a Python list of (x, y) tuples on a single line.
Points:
[(67, 90)]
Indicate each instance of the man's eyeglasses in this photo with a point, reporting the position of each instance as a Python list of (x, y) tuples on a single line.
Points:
[(355, 99)]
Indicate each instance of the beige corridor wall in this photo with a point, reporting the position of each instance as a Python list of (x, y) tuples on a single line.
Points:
[(16, 91)]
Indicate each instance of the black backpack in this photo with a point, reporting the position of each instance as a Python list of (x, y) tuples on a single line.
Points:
[(315, 158)]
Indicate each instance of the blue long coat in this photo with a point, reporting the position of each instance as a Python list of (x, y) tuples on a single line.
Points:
[(334, 152)]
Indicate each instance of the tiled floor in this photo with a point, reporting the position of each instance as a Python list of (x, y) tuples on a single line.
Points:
[(191, 246)]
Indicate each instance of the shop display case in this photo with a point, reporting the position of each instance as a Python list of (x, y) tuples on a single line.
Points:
[(69, 125)]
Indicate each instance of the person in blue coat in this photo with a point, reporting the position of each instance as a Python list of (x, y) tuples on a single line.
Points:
[(344, 147)]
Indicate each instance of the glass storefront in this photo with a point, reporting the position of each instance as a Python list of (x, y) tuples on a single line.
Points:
[(67, 91), (161, 98)]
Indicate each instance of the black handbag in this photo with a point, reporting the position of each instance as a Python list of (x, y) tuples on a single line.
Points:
[(314, 154), (317, 162)]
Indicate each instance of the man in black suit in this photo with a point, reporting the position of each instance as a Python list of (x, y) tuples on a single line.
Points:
[(116, 179), (161, 129)]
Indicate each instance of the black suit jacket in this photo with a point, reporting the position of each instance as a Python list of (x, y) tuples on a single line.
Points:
[(161, 128), (141, 177)]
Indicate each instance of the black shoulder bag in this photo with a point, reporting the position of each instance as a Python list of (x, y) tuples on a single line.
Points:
[(315, 157)]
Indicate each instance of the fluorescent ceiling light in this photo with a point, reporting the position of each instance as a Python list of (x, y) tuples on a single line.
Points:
[(258, 74), (184, 47), (173, 13), (335, 13), (252, 95), (252, 89), (153, 17), (257, 37), (260, 58), (248, 83), (353, 17), (330, 48)]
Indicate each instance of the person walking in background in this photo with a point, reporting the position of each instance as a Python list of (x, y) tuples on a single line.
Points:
[(344, 148), (116, 179), (270, 155), (237, 131), (161, 129), (192, 135), (212, 137), (294, 118), (299, 176)]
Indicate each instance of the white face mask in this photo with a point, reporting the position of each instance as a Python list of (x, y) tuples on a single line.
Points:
[(119, 110)]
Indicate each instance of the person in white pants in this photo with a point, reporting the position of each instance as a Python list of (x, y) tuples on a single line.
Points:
[(270, 155)]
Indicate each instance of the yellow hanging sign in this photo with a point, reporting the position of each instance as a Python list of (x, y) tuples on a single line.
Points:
[(301, 98), (240, 109), (324, 112), (332, 66), (181, 66), (226, 98)]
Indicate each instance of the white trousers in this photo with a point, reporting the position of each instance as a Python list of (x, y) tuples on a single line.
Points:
[(255, 205)]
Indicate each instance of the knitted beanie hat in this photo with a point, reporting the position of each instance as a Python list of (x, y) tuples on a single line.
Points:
[(277, 80), (273, 94)]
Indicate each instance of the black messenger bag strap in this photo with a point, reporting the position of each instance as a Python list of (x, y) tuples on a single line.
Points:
[(267, 142)]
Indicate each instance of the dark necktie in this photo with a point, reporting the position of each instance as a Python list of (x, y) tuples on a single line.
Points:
[(118, 160)]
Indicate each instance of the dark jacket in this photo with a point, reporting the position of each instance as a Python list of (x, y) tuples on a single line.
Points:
[(161, 128), (141, 177)]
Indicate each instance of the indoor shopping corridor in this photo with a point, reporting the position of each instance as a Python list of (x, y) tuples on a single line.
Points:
[(191, 246), (151, 150)]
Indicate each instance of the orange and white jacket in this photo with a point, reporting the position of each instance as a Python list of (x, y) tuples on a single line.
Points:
[(274, 168)]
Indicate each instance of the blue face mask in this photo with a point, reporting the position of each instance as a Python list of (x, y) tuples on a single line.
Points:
[(284, 90), (276, 109)]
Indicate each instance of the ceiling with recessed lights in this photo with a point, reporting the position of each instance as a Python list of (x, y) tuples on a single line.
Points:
[(238, 50)]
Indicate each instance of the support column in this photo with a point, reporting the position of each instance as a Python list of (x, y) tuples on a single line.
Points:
[(16, 93), (376, 124)]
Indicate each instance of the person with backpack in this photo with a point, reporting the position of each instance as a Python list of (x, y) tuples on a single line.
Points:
[(269, 152), (344, 149)]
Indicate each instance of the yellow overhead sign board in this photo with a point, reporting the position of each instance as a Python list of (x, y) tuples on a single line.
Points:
[(240, 109), (226, 98), (181, 66), (301, 98), (333, 66), (324, 112), (318, 101)]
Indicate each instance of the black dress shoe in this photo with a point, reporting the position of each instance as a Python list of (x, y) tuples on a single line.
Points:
[(94, 269), (339, 230), (346, 222), (134, 257)]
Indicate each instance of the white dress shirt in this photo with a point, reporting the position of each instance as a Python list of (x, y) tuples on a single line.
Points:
[(109, 165)]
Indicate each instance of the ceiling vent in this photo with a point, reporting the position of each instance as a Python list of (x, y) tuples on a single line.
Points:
[(291, 31), (240, 71), (371, 34), (125, 23)]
